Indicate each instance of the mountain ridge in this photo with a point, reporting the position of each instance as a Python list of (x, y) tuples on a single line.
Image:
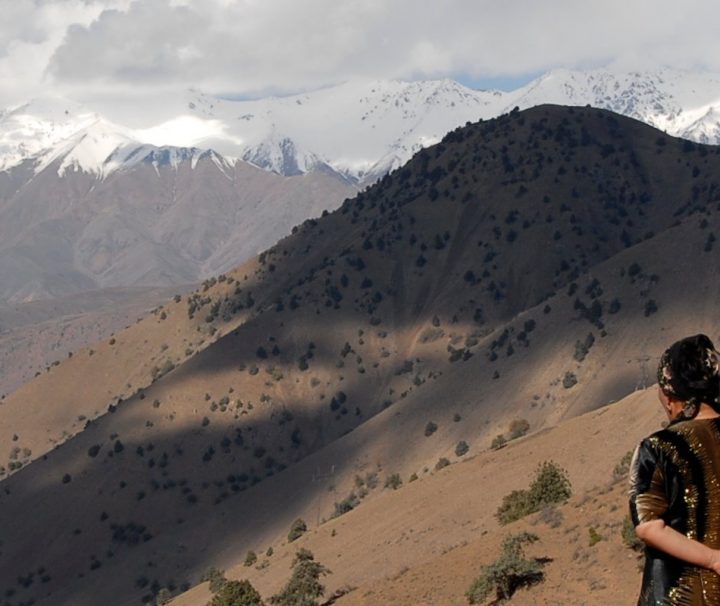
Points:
[(362, 129)]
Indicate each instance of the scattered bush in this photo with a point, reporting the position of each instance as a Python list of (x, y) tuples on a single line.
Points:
[(250, 558), (304, 586), (518, 428), (298, 529), (430, 429), (163, 597), (630, 539), (347, 504), (498, 442), (509, 572), (461, 448), (237, 593), (393, 481), (216, 579), (583, 347), (442, 462), (569, 380), (650, 307), (623, 466), (595, 536), (551, 485)]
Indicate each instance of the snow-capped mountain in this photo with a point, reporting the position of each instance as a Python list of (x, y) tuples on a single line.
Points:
[(684, 104), (359, 129), (40, 127)]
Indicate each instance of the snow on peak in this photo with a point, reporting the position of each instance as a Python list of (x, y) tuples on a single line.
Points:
[(359, 128), (87, 150), (36, 126)]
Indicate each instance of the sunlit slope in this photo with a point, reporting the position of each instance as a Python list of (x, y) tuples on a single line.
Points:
[(425, 542)]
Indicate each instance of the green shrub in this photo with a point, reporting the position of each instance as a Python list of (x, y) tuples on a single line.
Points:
[(498, 442), (442, 462), (250, 558), (347, 504), (461, 448), (569, 380), (237, 593), (298, 529), (551, 485), (216, 578), (509, 572), (518, 428), (595, 536), (583, 347), (393, 481), (623, 466), (630, 539), (430, 428), (304, 586)]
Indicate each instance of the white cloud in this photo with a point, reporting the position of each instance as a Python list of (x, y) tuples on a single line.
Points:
[(30, 32), (245, 47)]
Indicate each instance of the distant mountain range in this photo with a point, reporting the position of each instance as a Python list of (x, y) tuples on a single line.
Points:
[(175, 217), (361, 129), (86, 203)]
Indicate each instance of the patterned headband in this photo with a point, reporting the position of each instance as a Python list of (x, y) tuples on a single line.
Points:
[(664, 375)]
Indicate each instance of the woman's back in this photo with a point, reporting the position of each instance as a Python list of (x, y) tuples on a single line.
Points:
[(675, 476)]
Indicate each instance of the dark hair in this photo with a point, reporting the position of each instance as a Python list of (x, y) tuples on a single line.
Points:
[(690, 370)]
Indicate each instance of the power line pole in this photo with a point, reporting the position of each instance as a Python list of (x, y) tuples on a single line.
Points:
[(317, 476)]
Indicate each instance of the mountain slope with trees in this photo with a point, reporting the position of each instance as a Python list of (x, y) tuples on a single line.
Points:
[(525, 270)]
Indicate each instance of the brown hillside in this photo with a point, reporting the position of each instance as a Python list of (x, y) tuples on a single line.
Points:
[(425, 542), (38, 334), (530, 267)]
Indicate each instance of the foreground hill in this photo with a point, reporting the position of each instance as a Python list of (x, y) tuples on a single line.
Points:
[(530, 267), (425, 542)]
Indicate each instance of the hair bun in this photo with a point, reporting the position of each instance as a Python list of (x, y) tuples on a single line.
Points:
[(691, 368)]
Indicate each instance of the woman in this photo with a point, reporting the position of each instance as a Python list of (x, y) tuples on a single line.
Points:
[(675, 482)]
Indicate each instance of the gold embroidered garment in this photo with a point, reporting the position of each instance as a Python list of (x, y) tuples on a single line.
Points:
[(675, 476)]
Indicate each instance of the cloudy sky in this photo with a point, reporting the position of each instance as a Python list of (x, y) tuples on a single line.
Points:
[(95, 49)]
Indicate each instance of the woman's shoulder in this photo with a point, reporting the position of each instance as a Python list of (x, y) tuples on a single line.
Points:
[(681, 431), (665, 437)]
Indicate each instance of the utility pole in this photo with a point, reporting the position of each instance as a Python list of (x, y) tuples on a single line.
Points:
[(644, 374), (317, 477)]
